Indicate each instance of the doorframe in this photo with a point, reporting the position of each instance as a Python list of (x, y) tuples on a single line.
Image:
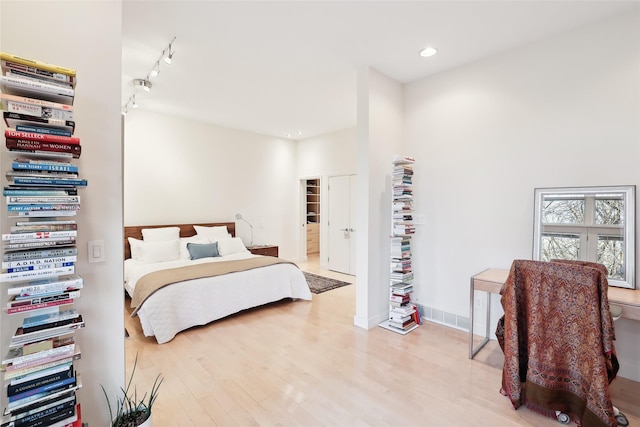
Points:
[(326, 205), (303, 216)]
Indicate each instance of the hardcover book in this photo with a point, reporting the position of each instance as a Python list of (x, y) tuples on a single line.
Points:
[(37, 64), (9, 65), (40, 136), (16, 120)]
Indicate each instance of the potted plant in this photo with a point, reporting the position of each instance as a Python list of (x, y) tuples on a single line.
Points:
[(131, 410)]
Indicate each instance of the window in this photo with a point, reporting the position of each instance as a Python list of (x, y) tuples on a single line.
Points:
[(589, 224)]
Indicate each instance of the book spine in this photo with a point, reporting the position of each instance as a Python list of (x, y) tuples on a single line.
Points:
[(37, 400), (35, 290), (33, 227), (43, 207), (33, 193), (51, 181), (36, 85), (43, 253), (46, 326), (57, 351), (33, 77), (9, 375), (43, 130), (35, 274), (43, 137), (38, 110), (10, 117), (42, 391), (40, 261), (54, 147), (48, 416), (59, 296), (44, 214), (39, 267), (40, 244), (37, 64), (23, 387), (47, 319), (40, 362), (56, 76), (61, 167), (42, 199), (40, 235), (26, 308)]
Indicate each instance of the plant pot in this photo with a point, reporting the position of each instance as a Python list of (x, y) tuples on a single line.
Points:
[(145, 423)]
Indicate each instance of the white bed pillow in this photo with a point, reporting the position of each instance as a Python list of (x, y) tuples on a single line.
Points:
[(184, 252), (160, 234), (212, 233), (168, 250), (134, 246), (230, 246)]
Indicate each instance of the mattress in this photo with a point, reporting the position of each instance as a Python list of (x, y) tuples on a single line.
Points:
[(182, 305)]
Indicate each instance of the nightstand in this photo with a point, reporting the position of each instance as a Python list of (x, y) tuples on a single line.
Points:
[(267, 250)]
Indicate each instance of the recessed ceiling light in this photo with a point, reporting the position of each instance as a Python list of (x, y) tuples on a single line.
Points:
[(428, 51)]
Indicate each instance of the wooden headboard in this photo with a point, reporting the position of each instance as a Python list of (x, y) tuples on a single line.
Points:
[(186, 230)]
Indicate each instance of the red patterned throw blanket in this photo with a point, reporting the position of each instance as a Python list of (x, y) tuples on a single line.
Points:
[(151, 282), (557, 338)]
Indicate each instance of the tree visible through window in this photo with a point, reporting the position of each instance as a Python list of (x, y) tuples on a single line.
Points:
[(590, 225)]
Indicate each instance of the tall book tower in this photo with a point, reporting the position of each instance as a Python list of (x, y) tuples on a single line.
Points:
[(403, 314), (39, 253)]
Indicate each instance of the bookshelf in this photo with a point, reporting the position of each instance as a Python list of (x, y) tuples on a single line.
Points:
[(313, 215), (38, 281), (404, 316)]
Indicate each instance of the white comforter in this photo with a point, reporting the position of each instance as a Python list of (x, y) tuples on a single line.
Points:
[(180, 306)]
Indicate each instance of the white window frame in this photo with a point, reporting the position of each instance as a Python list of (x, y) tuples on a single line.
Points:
[(589, 231)]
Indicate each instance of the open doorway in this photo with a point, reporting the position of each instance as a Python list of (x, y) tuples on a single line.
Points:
[(311, 216)]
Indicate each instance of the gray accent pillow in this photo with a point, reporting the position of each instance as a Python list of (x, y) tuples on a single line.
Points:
[(203, 250)]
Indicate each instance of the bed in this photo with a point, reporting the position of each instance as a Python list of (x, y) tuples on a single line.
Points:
[(171, 292)]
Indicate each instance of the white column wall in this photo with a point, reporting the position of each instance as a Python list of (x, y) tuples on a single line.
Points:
[(380, 123), (85, 36)]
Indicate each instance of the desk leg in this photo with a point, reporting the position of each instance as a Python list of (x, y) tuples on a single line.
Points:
[(471, 311), (473, 351)]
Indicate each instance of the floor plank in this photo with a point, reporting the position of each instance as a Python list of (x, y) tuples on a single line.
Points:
[(299, 363)]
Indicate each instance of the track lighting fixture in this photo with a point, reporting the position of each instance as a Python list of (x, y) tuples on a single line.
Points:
[(155, 71), (145, 83)]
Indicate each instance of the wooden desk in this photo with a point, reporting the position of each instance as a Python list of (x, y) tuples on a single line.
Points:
[(492, 279)]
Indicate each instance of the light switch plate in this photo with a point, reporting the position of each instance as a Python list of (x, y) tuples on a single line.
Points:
[(95, 249)]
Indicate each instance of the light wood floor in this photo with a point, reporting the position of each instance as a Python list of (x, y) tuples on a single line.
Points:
[(301, 363)]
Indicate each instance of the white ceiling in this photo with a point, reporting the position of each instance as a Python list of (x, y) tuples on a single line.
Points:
[(280, 68)]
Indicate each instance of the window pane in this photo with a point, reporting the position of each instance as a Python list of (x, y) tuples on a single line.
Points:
[(560, 246), (563, 211), (609, 211), (611, 254)]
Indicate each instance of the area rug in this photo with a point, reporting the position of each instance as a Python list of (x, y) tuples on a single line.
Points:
[(319, 284)]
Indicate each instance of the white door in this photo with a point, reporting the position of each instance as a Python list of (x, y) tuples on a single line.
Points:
[(342, 220)]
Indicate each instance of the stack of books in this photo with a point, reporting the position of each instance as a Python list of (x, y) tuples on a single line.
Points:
[(403, 314), (39, 253)]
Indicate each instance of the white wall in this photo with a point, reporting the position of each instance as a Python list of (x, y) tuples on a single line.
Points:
[(379, 140), (85, 36), (560, 112), (182, 171), (322, 157)]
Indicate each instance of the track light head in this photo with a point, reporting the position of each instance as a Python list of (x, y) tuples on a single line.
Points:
[(168, 58), (143, 84), (155, 71)]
